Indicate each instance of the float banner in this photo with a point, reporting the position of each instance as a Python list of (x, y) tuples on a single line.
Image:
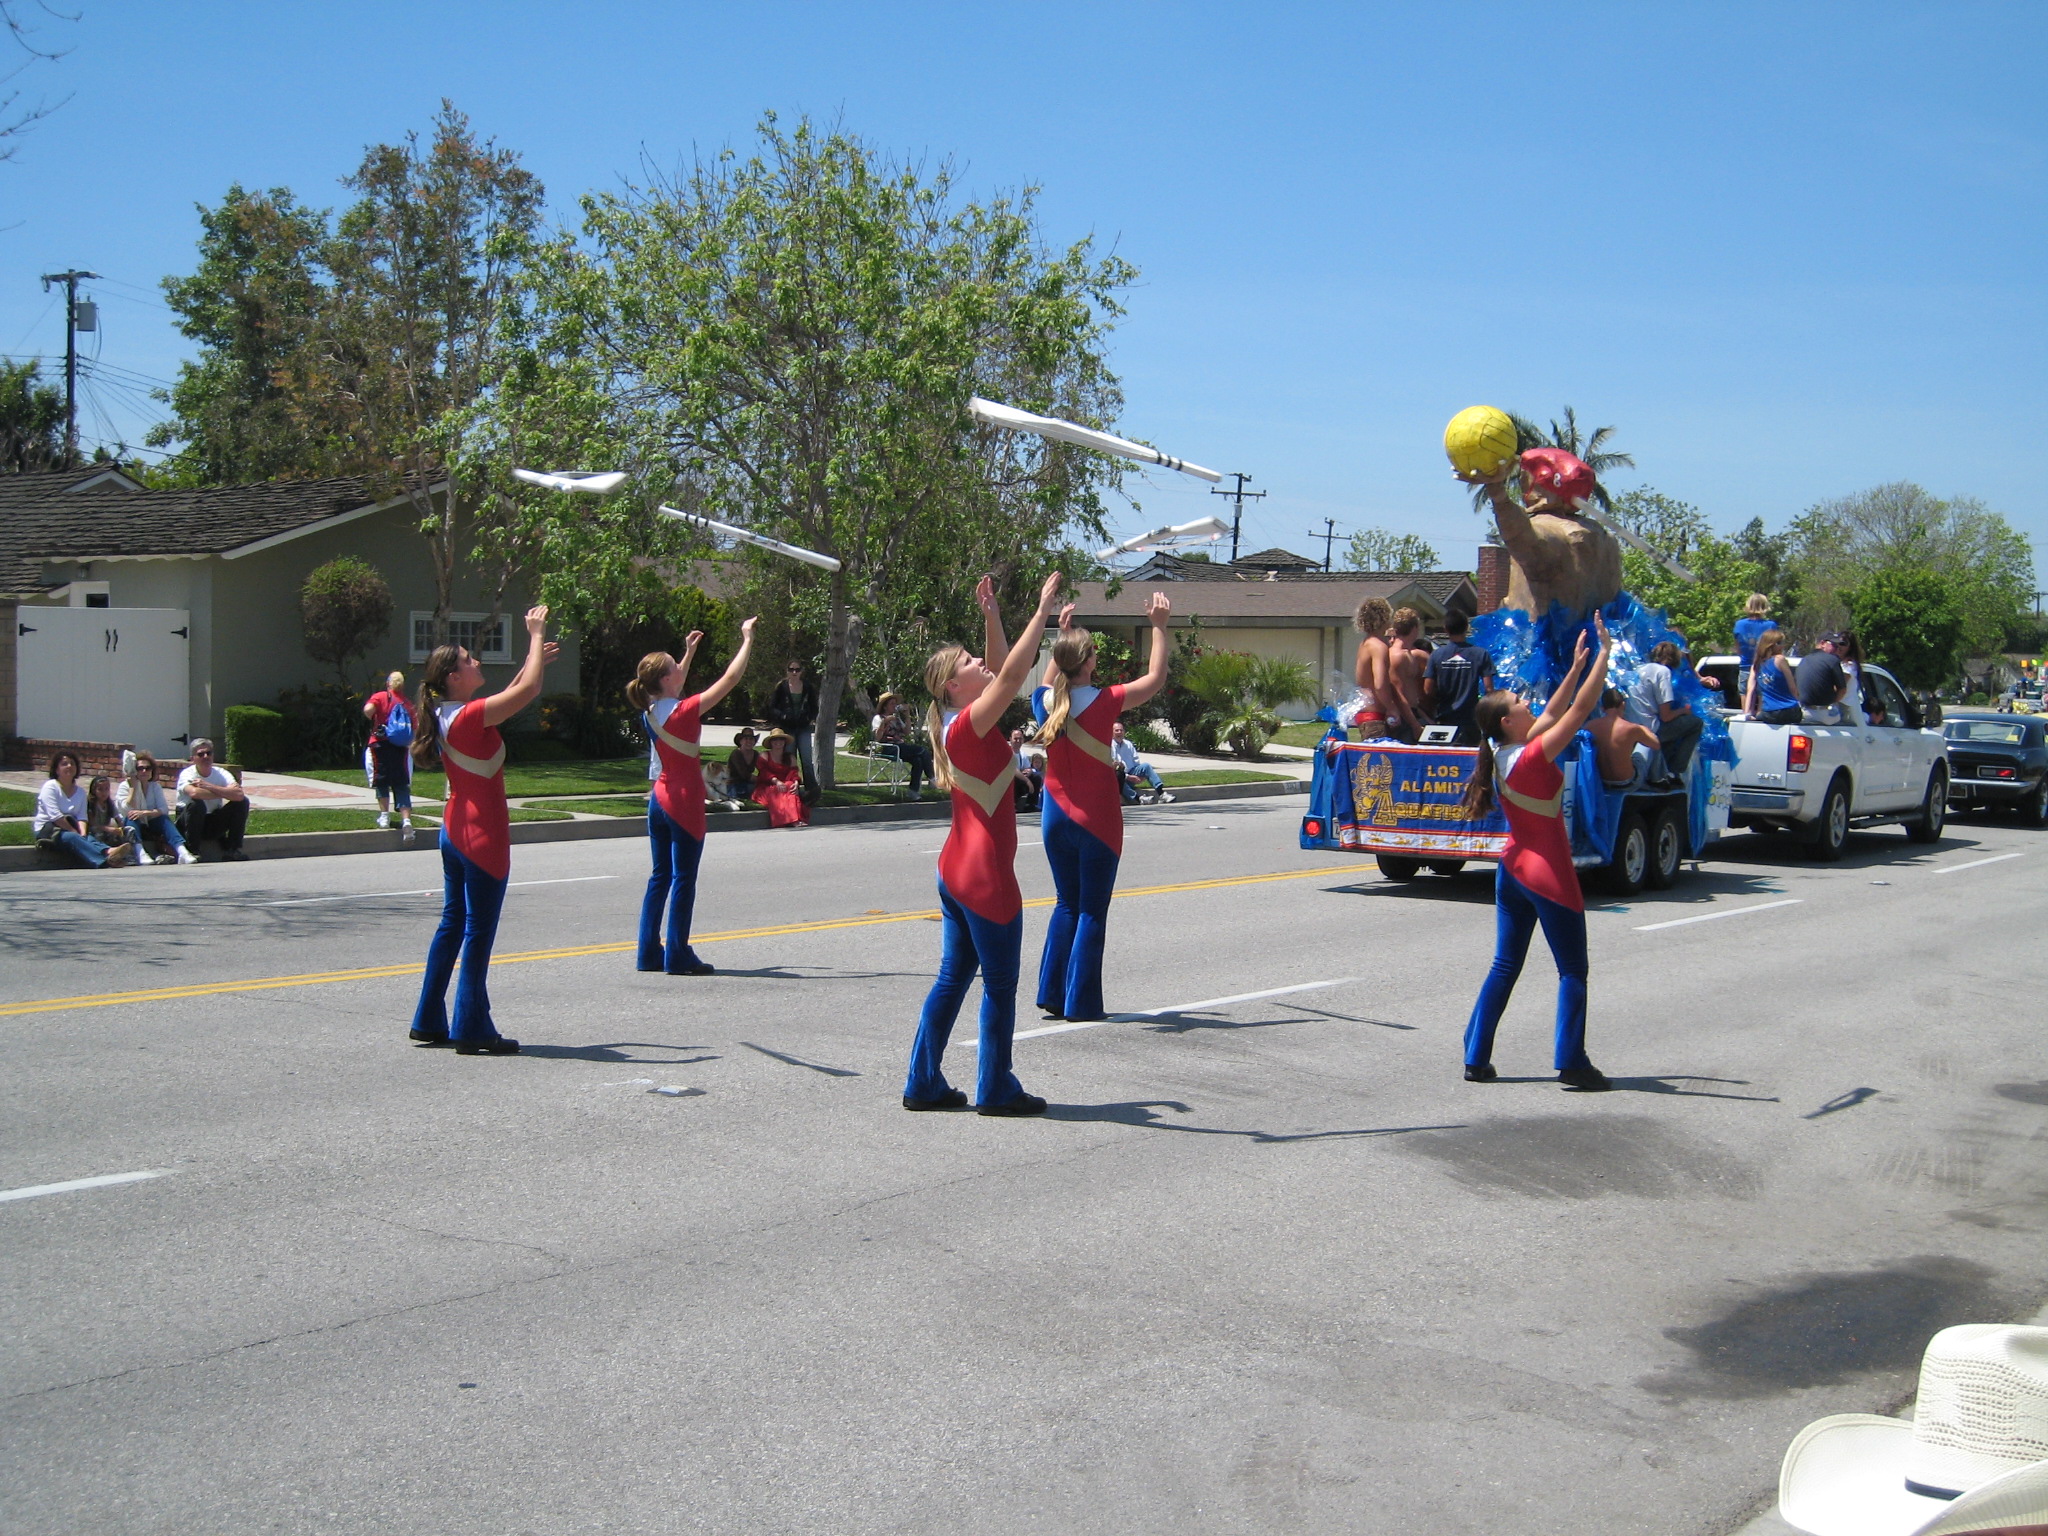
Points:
[(1388, 798)]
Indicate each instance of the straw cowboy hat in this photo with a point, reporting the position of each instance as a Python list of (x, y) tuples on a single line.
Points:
[(1974, 1456)]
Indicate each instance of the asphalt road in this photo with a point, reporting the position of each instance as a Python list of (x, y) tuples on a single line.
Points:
[(1270, 1265)]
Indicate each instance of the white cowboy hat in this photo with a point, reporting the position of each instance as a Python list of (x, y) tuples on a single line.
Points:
[(1974, 1456)]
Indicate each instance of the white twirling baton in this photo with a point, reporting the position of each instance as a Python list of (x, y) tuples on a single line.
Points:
[(590, 484), (759, 541), (1204, 530), (1014, 420)]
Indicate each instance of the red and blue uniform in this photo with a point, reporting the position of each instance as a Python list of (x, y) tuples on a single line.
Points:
[(1083, 823), (1536, 883), (675, 835), (476, 862), (982, 911)]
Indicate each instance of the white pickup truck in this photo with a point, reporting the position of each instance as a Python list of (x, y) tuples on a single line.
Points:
[(1821, 780)]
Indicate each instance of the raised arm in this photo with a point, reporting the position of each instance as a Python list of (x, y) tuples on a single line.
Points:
[(995, 649), (985, 711), (1052, 667), (691, 641), (1554, 740), (525, 687), (1567, 690), (1160, 612), (711, 697)]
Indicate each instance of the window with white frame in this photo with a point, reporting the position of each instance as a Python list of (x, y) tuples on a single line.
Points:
[(478, 633)]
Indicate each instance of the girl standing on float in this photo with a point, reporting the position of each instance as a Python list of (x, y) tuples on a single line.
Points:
[(979, 903), (1083, 806), (1536, 883), (460, 724), (675, 809)]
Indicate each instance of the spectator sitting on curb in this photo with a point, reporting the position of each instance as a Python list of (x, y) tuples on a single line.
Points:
[(211, 803), (742, 765), (1134, 772), (140, 800), (60, 813), (103, 821), (1029, 785)]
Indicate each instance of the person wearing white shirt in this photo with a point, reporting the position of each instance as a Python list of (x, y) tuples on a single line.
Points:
[(1652, 701), (211, 803), (1135, 772), (59, 820), (140, 801)]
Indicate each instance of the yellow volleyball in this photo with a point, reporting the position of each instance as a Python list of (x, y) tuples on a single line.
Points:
[(1480, 440)]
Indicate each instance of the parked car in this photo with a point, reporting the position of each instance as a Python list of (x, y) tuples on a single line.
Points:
[(1998, 762), (1819, 781)]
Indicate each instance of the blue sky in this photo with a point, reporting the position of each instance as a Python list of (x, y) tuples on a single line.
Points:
[(1789, 251)]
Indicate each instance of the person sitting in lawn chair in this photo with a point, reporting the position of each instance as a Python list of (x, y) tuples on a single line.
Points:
[(1134, 773)]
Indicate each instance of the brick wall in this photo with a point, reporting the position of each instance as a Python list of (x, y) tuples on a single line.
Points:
[(1492, 576), (95, 756)]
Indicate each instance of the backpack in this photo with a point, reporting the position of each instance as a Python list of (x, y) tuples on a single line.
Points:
[(397, 727)]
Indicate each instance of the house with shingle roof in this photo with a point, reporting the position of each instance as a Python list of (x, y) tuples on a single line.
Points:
[(1273, 603), (136, 615)]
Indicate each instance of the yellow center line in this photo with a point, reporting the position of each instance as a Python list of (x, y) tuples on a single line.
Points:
[(384, 972)]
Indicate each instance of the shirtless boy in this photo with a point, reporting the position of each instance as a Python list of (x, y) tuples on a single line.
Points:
[(1407, 656), (1627, 753)]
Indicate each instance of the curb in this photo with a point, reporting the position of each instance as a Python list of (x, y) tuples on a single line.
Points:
[(309, 845)]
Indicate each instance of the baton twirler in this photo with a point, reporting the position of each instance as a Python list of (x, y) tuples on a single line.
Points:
[(1204, 530), (1014, 420)]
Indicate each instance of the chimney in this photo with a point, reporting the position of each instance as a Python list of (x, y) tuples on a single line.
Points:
[(1492, 577)]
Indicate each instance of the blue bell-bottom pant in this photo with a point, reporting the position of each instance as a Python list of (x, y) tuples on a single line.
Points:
[(671, 884), (1084, 880), (971, 942), (470, 903), (1517, 911)]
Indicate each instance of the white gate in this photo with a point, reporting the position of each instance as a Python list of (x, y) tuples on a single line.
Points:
[(104, 674)]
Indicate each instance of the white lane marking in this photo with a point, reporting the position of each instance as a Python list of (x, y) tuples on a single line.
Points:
[(29, 1192), (1207, 1005), (1996, 858), (1708, 917), (432, 890)]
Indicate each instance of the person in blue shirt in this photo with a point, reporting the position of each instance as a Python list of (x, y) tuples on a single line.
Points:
[(1456, 677), (1750, 628)]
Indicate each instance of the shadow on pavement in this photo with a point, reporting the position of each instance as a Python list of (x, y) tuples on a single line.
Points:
[(798, 1061), (1146, 1113), (615, 1051)]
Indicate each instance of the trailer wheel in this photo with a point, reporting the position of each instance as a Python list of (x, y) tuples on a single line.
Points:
[(1395, 867), (1445, 867), (1667, 847), (1629, 870)]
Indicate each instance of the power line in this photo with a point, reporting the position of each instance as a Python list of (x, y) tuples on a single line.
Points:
[(1239, 497), (1328, 536), (73, 315)]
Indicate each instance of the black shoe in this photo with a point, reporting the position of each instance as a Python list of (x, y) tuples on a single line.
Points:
[(952, 1098), (1481, 1072), (1049, 1012), (1587, 1079), (695, 968), (236, 856), (497, 1045), (1023, 1104), (421, 1037)]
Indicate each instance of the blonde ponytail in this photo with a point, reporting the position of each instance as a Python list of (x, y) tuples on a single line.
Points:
[(426, 729), (654, 667), (1071, 652), (938, 674)]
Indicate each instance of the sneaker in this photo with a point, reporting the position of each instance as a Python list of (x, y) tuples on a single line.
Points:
[(1023, 1104), (497, 1045), (952, 1098), (384, 818), (1587, 1079), (1483, 1072), (186, 856), (236, 856), (1166, 796), (405, 832)]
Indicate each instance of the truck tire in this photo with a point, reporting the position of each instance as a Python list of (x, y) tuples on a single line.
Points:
[(1667, 847), (1830, 834), (1629, 870), (1395, 867), (1445, 867), (1926, 827)]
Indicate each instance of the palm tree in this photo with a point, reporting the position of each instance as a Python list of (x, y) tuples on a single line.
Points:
[(1243, 692), (1590, 448)]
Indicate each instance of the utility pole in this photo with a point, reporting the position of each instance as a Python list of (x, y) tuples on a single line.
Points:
[(73, 315), (1238, 496), (1329, 538)]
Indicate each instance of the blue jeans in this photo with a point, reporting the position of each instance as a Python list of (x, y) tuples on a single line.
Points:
[(89, 851), (672, 883), (996, 949), (1084, 878), (470, 903), (1517, 912), (162, 829)]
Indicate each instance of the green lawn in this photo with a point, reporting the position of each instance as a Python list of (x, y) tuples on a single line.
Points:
[(16, 834), (323, 820), (622, 805), (1306, 734), (588, 778), (16, 802), (1195, 776)]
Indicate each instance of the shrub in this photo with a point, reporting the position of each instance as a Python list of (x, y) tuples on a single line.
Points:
[(1242, 692), (1147, 737), (328, 728), (258, 738), (345, 606)]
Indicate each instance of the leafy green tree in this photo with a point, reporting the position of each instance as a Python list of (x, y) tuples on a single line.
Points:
[(31, 420), (1704, 611), (1382, 549), (788, 341), (1244, 692), (345, 606), (1911, 621)]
